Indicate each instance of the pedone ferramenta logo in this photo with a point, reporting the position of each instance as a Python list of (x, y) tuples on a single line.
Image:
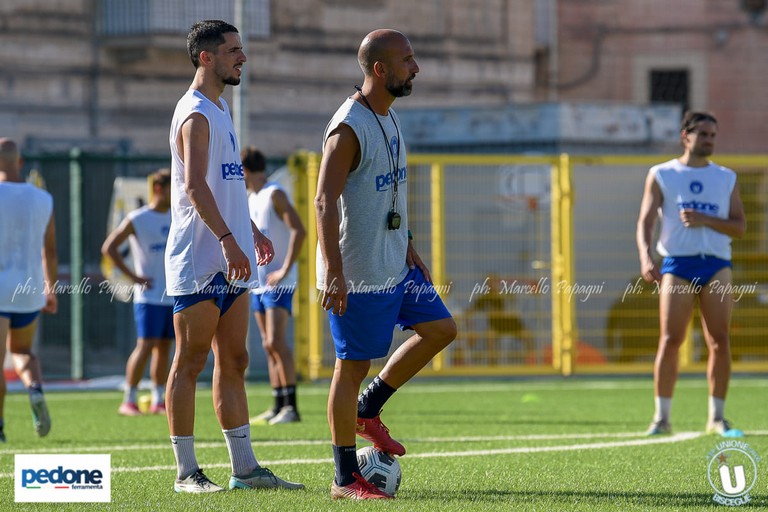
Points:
[(62, 478), (732, 472)]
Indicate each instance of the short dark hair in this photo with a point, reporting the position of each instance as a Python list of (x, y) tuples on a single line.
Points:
[(253, 159), (691, 119), (206, 35), (161, 177)]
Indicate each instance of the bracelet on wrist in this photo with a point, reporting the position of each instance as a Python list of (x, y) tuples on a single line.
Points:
[(222, 237)]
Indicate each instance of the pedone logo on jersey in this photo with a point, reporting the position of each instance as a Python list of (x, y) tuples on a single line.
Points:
[(384, 181), (698, 206), (232, 171)]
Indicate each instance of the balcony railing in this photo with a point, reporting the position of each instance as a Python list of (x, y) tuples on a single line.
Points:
[(120, 18)]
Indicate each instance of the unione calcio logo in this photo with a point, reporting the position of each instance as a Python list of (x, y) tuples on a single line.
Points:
[(732, 472)]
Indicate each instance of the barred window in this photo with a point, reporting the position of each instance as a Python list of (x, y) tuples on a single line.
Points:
[(670, 86)]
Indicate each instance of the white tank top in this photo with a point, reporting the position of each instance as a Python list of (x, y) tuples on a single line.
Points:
[(150, 229), (705, 189), (266, 219), (193, 255), (25, 211)]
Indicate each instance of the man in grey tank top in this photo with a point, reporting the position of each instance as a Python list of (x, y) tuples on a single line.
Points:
[(370, 275)]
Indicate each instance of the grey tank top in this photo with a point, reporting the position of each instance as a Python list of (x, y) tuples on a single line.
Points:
[(373, 257)]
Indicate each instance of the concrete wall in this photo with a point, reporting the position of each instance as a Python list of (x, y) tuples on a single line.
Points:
[(606, 50), (64, 85)]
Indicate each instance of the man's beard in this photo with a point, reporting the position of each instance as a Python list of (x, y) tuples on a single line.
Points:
[(399, 90), (232, 80)]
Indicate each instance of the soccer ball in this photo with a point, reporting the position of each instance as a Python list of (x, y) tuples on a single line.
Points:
[(380, 469)]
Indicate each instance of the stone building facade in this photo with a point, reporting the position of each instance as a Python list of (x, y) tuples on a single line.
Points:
[(708, 54), (105, 74)]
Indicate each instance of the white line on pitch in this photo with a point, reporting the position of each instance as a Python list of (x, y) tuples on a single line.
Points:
[(683, 436), (314, 442), (319, 442)]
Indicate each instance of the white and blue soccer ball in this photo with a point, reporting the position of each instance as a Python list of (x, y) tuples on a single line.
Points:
[(380, 469)]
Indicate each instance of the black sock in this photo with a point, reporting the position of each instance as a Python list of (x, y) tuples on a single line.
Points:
[(345, 458), (2, 423), (373, 398), (289, 396), (277, 394)]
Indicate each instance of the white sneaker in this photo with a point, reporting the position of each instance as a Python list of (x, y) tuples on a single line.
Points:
[(287, 414), (262, 478), (196, 483), (659, 427), (41, 420), (263, 418), (723, 428)]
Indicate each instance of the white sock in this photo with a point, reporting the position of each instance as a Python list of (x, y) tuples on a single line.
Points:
[(157, 394), (184, 450), (240, 450), (663, 409), (716, 408), (130, 394)]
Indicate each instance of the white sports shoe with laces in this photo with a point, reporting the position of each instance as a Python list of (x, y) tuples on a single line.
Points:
[(723, 428), (287, 414), (196, 483)]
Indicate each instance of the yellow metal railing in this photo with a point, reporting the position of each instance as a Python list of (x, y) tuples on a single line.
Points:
[(562, 347), (437, 177)]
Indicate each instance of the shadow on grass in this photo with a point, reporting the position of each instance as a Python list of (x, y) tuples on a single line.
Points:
[(694, 501)]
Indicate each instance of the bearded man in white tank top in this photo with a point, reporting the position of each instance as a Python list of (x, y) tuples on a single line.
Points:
[(28, 272), (212, 252), (701, 211)]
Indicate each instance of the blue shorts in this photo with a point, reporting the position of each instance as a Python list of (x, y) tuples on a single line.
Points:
[(153, 320), (219, 289), (364, 332), (19, 320), (280, 298), (695, 269)]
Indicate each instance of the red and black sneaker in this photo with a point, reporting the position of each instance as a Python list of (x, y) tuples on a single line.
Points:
[(373, 430), (360, 489)]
